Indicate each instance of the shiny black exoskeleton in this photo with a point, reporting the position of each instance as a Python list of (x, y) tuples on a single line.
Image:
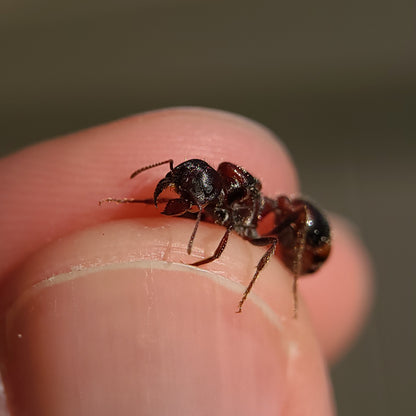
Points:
[(231, 197)]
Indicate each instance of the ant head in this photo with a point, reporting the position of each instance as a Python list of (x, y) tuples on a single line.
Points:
[(304, 235), (194, 180), (237, 183)]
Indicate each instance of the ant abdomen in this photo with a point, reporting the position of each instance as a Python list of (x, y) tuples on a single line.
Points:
[(304, 235)]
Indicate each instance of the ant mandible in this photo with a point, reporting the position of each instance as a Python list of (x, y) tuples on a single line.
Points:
[(230, 196)]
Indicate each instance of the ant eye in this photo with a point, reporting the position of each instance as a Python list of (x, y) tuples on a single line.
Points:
[(207, 180), (208, 189)]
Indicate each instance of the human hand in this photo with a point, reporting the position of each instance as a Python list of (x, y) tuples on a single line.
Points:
[(99, 313)]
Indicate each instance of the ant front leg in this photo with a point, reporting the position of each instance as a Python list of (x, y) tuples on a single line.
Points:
[(262, 241), (148, 201)]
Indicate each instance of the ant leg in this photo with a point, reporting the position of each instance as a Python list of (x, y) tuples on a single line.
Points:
[(178, 207), (126, 201), (192, 238), (297, 264), (148, 201), (218, 250), (262, 241), (136, 172)]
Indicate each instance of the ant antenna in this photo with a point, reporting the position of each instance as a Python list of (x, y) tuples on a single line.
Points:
[(136, 172)]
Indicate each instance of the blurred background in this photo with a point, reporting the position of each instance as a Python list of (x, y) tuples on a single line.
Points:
[(335, 80)]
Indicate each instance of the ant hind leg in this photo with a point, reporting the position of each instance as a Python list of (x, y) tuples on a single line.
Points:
[(262, 241)]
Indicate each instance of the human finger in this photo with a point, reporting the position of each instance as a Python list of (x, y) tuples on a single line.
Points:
[(110, 320)]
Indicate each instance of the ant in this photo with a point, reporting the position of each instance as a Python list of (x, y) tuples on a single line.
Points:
[(230, 196)]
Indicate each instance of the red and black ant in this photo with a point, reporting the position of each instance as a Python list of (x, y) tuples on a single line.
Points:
[(231, 197)]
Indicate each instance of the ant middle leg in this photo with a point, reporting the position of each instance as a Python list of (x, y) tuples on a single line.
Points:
[(218, 251), (262, 241)]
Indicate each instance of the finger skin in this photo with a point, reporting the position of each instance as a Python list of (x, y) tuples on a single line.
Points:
[(95, 328), (53, 188)]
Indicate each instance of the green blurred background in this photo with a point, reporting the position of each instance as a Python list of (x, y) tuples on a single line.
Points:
[(335, 80)]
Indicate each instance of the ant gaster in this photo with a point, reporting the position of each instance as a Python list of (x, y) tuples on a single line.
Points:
[(230, 196)]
